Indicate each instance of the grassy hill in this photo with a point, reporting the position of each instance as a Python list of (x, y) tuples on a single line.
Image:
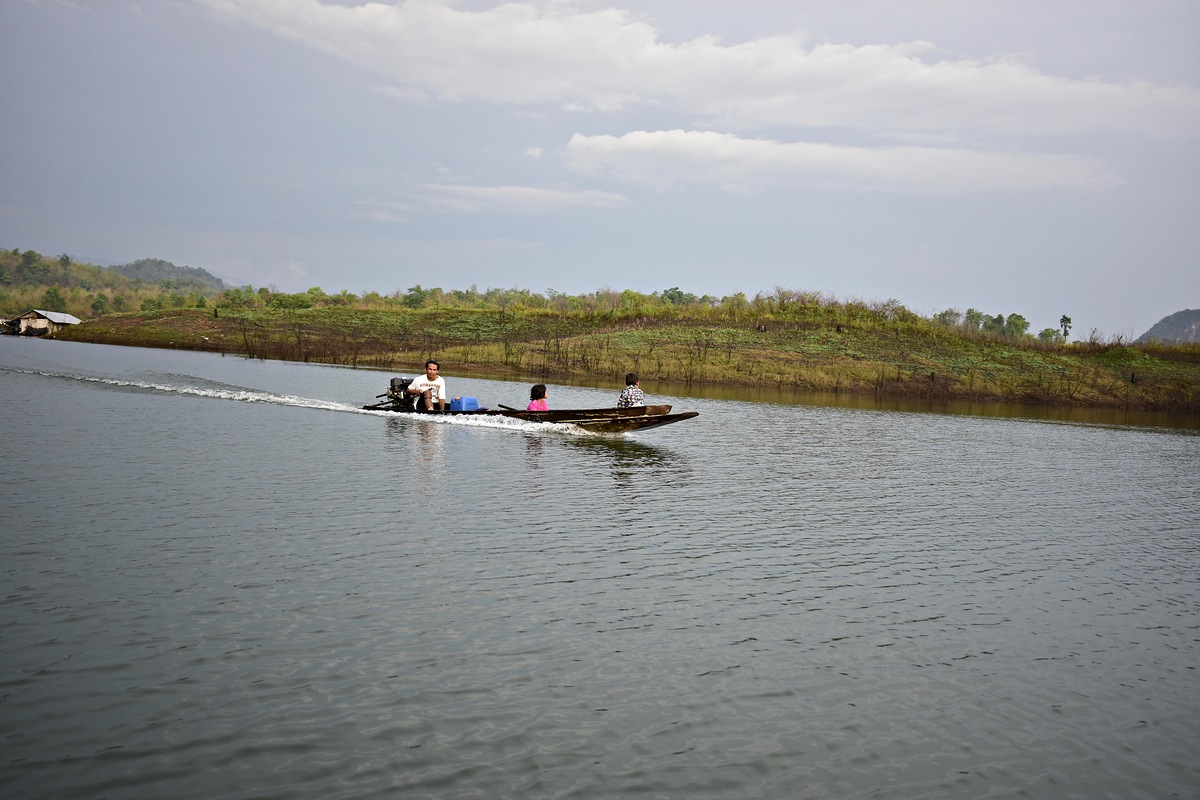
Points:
[(814, 347), (786, 340)]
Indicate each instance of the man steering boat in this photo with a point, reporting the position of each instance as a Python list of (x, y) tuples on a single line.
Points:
[(430, 389)]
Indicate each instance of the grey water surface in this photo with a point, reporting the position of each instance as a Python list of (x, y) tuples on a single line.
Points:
[(222, 579)]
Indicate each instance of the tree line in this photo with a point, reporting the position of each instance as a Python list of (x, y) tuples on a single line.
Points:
[(30, 280)]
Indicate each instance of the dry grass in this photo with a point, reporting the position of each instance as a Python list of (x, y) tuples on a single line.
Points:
[(812, 349)]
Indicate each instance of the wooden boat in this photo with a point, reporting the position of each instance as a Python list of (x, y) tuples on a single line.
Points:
[(595, 420)]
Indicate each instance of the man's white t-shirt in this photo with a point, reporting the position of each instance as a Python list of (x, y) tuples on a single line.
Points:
[(436, 387)]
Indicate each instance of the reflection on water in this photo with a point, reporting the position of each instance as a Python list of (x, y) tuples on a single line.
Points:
[(533, 454), (926, 405), (633, 468), (625, 452)]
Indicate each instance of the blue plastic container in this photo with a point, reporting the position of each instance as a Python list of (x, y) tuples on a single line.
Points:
[(464, 404)]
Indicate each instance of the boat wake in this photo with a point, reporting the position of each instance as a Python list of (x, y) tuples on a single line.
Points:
[(178, 385), (494, 422), (192, 386)]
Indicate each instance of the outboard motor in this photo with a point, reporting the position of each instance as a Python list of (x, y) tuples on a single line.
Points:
[(398, 393)]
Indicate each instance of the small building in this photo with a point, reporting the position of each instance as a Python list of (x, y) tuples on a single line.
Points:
[(40, 323)]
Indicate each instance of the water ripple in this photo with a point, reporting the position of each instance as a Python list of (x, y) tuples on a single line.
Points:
[(206, 597)]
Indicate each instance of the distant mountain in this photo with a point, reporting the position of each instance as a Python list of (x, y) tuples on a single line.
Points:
[(1182, 326), (155, 270)]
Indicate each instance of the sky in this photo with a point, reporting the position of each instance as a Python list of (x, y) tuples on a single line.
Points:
[(1038, 157)]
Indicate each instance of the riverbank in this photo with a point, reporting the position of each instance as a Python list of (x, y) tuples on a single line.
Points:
[(890, 358)]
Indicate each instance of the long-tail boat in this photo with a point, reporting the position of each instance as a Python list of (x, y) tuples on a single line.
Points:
[(597, 420)]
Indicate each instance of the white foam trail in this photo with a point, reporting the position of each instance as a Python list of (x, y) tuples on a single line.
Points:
[(242, 395), (231, 393), (507, 423)]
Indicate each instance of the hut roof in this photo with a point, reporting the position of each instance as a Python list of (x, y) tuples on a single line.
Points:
[(57, 317)]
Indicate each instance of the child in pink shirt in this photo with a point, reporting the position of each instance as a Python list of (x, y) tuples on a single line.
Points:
[(537, 398)]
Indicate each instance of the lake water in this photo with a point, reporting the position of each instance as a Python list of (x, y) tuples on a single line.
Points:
[(221, 579)]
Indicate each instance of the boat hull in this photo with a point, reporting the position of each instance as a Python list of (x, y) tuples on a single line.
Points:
[(627, 424), (595, 420)]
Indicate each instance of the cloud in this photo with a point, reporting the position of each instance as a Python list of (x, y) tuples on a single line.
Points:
[(517, 199), (515, 53), (665, 159), (385, 212), (534, 53)]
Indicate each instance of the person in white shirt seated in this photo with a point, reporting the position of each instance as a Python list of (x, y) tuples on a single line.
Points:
[(431, 389)]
